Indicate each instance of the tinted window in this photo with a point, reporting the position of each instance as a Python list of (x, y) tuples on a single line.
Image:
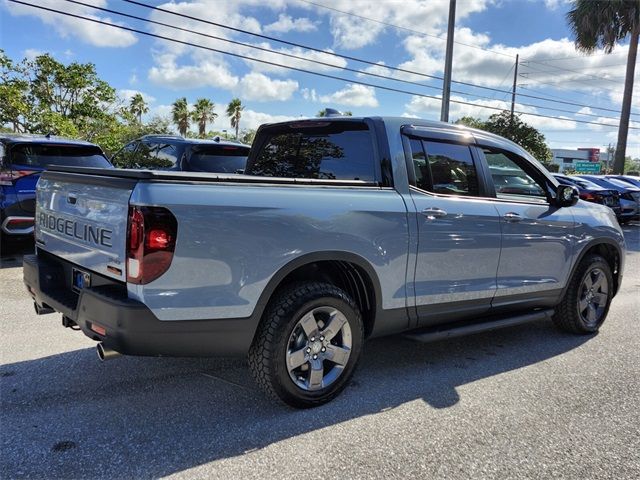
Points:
[(125, 158), (42, 156), (326, 150), (420, 166), (219, 159), (150, 155), (509, 178), (452, 169)]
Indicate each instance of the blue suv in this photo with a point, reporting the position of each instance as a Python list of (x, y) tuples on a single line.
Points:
[(22, 159)]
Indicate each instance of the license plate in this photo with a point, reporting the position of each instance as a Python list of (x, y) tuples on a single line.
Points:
[(80, 279)]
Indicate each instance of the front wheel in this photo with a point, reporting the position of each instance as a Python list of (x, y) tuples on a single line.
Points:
[(308, 344), (588, 297)]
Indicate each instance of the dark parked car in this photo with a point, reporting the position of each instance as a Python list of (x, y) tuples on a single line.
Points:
[(512, 181), (629, 195), (635, 181), (592, 192), (173, 152), (22, 159)]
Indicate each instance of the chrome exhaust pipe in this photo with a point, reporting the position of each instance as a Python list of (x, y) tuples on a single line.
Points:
[(105, 353)]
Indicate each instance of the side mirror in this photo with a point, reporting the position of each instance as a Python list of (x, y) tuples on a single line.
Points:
[(567, 195)]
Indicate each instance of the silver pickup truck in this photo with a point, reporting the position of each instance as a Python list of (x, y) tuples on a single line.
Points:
[(340, 229)]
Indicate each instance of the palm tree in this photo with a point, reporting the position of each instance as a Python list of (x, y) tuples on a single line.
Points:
[(180, 113), (234, 112), (605, 24), (203, 112), (138, 106)]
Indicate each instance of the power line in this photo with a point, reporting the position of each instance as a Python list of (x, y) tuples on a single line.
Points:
[(334, 77), (558, 69), (601, 67), (580, 56), (398, 27), (346, 57), (155, 22)]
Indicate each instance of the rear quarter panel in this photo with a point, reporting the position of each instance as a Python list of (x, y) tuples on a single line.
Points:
[(232, 239)]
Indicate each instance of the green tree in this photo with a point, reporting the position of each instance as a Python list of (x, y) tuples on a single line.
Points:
[(323, 113), (605, 24), (247, 136), (234, 112), (203, 112), (73, 92), (138, 106), (15, 107), (518, 131), (181, 116)]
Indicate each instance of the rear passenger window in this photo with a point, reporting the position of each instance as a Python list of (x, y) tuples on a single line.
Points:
[(324, 150), (444, 168)]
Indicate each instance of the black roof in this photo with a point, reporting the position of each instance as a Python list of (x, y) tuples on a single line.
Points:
[(194, 141)]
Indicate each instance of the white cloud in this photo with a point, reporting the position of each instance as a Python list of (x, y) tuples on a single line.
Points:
[(353, 95), (256, 86), (126, 95), (309, 94), (286, 24), (251, 120), (207, 72), (32, 53), (585, 111), (352, 32), (89, 32), (430, 108)]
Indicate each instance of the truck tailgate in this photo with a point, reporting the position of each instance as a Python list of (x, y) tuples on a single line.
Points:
[(83, 218)]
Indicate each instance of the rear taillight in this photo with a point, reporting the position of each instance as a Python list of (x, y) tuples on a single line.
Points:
[(8, 177), (151, 241)]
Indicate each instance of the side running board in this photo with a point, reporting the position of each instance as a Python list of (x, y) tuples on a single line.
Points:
[(440, 332)]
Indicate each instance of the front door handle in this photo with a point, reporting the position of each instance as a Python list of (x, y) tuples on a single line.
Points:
[(512, 217), (433, 213)]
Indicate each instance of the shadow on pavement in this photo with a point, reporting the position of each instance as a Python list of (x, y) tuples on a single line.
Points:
[(68, 416), (12, 250)]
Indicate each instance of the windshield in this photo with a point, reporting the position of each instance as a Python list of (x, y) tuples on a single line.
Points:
[(43, 156), (219, 159)]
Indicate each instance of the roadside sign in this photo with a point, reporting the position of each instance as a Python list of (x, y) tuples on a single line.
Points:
[(587, 167)]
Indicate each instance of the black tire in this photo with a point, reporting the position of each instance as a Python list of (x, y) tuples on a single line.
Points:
[(569, 315), (281, 328)]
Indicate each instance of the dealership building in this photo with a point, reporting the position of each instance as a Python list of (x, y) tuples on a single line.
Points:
[(582, 160)]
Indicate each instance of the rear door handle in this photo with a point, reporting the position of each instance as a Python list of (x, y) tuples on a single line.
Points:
[(512, 217), (433, 213)]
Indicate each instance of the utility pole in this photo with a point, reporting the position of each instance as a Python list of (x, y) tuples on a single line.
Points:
[(513, 91), (446, 84)]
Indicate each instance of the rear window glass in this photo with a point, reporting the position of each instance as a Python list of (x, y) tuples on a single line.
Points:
[(219, 159), (323, 150), (43, 156)]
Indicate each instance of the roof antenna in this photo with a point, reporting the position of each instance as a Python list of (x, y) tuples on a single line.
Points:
[(48, 135)]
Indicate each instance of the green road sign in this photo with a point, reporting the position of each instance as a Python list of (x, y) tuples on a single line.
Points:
[(587, 167)]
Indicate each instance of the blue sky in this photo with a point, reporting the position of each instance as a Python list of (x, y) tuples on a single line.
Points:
[(489, 33)]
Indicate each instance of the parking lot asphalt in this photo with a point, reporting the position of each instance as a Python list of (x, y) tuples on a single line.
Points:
[(524, 402)]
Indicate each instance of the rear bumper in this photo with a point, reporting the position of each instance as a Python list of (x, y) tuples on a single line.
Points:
[(129, 327)]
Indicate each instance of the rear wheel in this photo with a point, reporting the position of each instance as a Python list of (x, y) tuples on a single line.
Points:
[(588, 297), (308, 344)]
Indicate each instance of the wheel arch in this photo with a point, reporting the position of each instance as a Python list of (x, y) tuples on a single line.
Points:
[(346, 270), (606, 248)]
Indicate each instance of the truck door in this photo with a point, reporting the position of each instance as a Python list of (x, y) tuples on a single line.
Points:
[(537, 237), (458, 230)]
